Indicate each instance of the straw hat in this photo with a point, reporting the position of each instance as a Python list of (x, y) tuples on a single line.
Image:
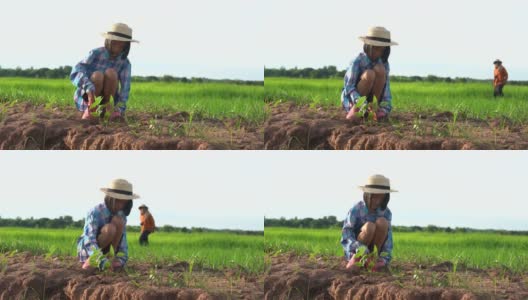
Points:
[(120, 189), (377, 184), (497, 61), (143, 206), (378, 36), (119, 32)]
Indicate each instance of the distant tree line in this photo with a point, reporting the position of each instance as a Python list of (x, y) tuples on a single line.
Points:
[(60, 72), (68, 222), (332, 72), (64, 73), (333, 222)]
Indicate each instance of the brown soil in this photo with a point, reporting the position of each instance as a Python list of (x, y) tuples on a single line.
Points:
[(302, 127), (24, 276), (28, 126), (294, 277)]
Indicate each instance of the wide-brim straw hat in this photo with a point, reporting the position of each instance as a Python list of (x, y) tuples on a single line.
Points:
[(120, 189), (497, 61), (377, 184), (119, 32), (378, 36)]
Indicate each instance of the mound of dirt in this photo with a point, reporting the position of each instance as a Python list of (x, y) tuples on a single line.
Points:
[(302, 127), (24, 276), (28, 126), (294, 277)]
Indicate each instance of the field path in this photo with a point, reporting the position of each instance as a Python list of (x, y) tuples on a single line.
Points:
[(29, 126), (292, 126), (302, 277), (25, 276)]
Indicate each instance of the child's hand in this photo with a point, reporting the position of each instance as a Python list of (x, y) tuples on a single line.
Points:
[(87, 115), (86, 265), (352, 263), (91, 98), (352, 114)]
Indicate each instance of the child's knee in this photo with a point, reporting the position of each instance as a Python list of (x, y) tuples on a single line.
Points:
[(109, 230), (97, 77), (118, 223), (368, 75), (110, 74), (369, 228), (382, 224), (380, 71)]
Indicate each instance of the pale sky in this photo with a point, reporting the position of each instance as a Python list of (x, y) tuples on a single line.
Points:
[(477, 189), (202, 38), (445, 38), (236, 189), (188, 188)]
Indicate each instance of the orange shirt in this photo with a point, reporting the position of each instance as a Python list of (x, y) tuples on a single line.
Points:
[(500, 76), (147, 221)]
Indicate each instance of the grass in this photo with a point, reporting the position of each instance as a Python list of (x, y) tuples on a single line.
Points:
[(478, 250), (474, 100), (209, 249), (210, 100)]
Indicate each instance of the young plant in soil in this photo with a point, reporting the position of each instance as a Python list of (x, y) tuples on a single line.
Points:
[(104, 111), (368, 260)]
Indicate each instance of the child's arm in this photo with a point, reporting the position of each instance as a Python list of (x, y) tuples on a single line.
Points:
[(122, 252), (79, 75), (386, 100), (348, 237), (387, 246), (351, 77), (90, 231), (125, 76)]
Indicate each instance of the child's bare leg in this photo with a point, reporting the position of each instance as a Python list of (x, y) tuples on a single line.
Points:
[(119, 225), (379, 83), (110, 84), (366, 83), (111, 233), (380, 234), (97, 79), (106, 236), (367, 233)]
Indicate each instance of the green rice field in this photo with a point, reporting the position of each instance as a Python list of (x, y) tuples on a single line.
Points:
[(215, 250), (474, 100), (479, 250), (209, 99)]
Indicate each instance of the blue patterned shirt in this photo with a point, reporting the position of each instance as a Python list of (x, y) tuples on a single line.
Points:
[(97, 217), (352, 76), (99, 60), (357, 217)]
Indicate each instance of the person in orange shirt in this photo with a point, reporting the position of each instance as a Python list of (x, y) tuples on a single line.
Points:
[(147, 224), (500, 76)]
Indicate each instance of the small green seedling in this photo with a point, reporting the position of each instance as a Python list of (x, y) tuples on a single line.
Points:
[(96, 258), (104, 111), (368, 260)]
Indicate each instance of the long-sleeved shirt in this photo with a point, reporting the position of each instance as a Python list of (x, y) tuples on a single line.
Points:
[(500, 76), (357, 216), (353, 75), (147, 222), (96, 218), (99, 60)]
